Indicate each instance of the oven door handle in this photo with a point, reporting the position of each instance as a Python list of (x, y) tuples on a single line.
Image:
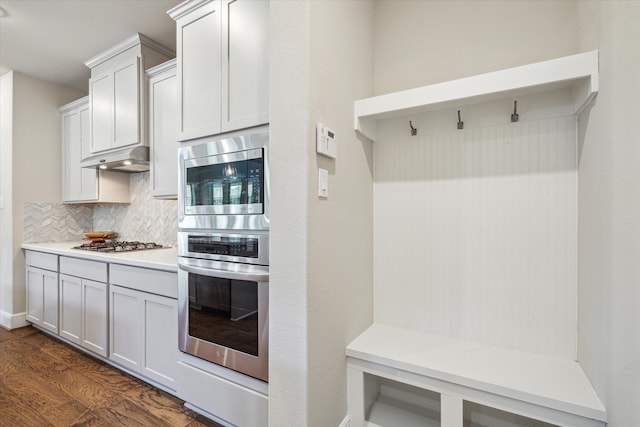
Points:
[(252, 275)]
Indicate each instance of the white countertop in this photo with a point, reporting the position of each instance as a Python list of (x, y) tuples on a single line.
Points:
[(165, 259)]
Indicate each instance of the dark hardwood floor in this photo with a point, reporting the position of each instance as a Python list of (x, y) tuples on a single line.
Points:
[(44, 382)]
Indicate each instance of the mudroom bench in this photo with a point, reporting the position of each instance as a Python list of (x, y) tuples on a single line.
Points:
[(401, 377)]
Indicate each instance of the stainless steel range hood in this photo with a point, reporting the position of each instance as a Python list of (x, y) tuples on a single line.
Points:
[(125, 160)]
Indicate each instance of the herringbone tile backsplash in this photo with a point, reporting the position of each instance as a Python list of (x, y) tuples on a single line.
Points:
[(55, 222), (145, 219)]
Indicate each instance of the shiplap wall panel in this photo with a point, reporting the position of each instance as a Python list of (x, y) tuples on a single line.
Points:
[(475, 234)]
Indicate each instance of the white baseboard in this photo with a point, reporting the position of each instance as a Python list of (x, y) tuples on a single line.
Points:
[(13, 321), (346, 422), (207, 414)]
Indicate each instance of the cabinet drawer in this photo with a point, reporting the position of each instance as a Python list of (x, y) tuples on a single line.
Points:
[(143, 279), (225, 399), (92, 270), (42, 260)]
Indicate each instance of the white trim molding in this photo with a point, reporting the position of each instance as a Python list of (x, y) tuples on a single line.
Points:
[(346, 422), (13, 321)]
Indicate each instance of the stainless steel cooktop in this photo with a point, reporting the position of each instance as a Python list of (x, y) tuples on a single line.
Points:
[(118, 246)]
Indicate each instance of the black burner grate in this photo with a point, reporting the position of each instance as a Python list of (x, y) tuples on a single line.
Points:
[(115, 246)]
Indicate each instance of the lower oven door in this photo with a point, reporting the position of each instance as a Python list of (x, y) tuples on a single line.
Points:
[(223, 311)]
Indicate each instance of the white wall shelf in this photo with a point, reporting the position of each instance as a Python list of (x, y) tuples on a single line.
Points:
[(543, 388), (578, 72)]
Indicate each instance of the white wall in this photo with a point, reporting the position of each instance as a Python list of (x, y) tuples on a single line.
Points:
[(487, 262), (419, 43), (32, 173), (475, 230), (321, 250), (340, 254), (609, 209)]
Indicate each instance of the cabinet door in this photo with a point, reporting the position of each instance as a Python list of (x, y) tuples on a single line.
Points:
[(71, 308), (35, 295), (245, 68), (163, 138), (160, 349), (126, 112), (199, 52), (101, 100), (94, 316), (88, 176), (78, 184), (126, 327), (71, 140), (50, 304)]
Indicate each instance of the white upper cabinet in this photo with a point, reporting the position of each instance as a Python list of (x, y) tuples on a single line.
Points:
[(126, 92), (223, 66), (163, 141), (78, 184), (101, 135), (117, 92), (199, 47), (86, 184), (245, 71)]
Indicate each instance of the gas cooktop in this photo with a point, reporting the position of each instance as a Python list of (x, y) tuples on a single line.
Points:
[(117, 246)]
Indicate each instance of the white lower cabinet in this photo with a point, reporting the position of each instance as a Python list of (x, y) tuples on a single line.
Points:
[(42, 290), (83, 303), (130, 319), (71, 308), (144, 326)]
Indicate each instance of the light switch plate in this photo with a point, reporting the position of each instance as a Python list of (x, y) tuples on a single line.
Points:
[(326, 141), (323, 183)]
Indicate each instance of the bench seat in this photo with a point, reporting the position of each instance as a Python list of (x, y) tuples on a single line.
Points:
[(543, 388)]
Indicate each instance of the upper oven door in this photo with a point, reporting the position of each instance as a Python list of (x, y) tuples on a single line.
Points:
[(224, 184), (230, 183)]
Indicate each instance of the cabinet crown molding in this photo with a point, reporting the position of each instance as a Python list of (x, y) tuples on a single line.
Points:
[(161, 68), (134, 40), (74, 104), (185, 7)]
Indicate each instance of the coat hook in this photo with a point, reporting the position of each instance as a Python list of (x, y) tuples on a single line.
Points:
[(414, 131), (514, 116), (460, 122)]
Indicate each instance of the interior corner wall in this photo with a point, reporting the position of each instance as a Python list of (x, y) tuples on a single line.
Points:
[(320, 249), (290, 131), (34, 169), (609, 211), (340, 246), (6, 217)]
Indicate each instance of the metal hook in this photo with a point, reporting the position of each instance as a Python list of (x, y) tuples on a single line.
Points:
[(414, 131), (460, 122), (514, 116)]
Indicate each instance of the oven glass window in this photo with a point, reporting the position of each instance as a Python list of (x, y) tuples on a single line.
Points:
[(232, 183), (224, 312)]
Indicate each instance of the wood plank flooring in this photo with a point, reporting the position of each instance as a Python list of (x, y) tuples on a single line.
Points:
[(45, 382)]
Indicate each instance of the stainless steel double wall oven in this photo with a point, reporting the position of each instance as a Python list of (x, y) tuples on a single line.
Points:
[(223, 252)]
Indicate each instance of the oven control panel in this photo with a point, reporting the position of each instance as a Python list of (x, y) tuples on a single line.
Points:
[(245, 247)]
